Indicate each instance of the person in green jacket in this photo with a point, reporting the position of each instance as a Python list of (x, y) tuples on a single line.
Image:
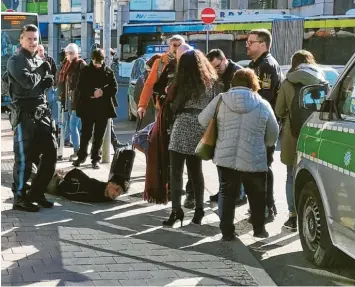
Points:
[(304, 71)]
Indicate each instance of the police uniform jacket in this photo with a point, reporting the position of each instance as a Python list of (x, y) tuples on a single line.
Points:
[(25, 75), (269, 73)]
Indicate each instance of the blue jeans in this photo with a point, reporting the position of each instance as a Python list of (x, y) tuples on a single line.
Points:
[(67, 114), (52, 103), (75, 127), (242, 192), (289, 189)]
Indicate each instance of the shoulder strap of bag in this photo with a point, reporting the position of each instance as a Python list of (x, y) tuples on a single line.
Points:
[(217, 107), (160, 68)]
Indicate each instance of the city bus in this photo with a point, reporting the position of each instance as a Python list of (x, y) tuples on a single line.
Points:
[(324, 36), (11, 25)]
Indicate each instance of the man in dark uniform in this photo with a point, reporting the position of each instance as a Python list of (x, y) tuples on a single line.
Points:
[(226, 70), (34, 139), (269, 73)]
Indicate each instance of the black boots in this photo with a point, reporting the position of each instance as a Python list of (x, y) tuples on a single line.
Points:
[(174, 216), (198, 215), (23, 204)]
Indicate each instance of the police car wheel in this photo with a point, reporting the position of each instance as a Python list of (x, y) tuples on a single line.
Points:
[(313, 229)]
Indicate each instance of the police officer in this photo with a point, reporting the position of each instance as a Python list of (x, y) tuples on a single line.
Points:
[(34, 139), (269, 73)]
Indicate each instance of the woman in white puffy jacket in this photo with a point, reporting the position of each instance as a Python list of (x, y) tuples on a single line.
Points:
[(246, 126)]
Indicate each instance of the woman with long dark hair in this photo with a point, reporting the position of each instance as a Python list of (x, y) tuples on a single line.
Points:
[(194, 89)]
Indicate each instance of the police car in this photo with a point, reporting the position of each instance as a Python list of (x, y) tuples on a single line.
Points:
[(324, 177)]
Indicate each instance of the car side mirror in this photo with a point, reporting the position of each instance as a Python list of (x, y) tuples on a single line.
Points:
[(313, 96)]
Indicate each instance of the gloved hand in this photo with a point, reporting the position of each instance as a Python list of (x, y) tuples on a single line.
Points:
[(45, 67), (47, 81)]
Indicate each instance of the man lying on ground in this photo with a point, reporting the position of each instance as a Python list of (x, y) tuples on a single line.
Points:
[(77, 186)]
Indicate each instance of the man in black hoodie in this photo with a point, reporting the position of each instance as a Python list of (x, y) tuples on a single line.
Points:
[(226, 70)]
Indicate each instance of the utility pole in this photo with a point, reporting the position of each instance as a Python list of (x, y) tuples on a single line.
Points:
[(107, 46)]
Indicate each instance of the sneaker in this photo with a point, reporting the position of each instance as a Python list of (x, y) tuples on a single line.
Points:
[(95, 165), (23, 204), (42, 201), (214, 198), (262, 233), (228, 237), (240, 202), (291, 223), (189, 202), (74, 156)]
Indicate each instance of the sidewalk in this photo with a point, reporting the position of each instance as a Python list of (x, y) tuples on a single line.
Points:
[(114, 244)]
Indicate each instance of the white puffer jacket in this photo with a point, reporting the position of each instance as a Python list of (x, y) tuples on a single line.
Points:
[(246, 125)]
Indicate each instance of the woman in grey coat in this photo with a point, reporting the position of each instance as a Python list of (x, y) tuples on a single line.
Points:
[(246, 126), (193, 89)]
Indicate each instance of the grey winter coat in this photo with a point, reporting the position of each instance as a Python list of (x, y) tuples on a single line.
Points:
[(246, 126)]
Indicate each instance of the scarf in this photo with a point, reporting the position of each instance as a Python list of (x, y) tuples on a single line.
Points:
[(157, 171), (64, 71)]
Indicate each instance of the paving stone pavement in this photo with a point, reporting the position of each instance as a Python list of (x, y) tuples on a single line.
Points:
[(114, 244)]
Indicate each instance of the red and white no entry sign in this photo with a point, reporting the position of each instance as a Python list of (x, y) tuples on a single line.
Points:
[(208, 15)]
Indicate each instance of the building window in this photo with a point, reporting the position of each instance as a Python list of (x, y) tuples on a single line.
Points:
[(70, 33), (163, 5), (67, 6), (262, 4), (37, 6), (147, 5)]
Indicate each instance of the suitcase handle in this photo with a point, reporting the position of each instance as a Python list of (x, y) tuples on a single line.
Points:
[(139, 123)]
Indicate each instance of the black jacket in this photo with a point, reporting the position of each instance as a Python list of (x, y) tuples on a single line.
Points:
[(90, 79), (228, 75), (269, 73), (87, 189), (25, 75)]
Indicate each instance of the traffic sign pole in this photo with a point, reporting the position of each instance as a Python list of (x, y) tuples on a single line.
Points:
[(208, 15), (207, 38)]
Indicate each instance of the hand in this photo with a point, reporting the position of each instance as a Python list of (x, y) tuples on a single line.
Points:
[(47, 82), (141, 112), (46, 66), (98, 93)]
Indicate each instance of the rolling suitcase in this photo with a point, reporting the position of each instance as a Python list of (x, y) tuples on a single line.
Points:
[(123, 161)]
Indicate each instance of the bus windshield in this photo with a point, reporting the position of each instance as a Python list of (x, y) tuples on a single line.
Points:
[(11, 25)]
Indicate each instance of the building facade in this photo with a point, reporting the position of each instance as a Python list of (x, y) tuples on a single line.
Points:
[(78, 21)]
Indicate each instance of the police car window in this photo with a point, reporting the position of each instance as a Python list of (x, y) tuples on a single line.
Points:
[(346, 103), (135, 71)]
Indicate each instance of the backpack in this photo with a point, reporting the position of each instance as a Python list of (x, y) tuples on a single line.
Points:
[(297, 115)]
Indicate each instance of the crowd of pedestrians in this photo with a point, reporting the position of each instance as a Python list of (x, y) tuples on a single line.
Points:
[(181, 91)]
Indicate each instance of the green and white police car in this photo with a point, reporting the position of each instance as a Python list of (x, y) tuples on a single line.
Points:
[(324, 176)]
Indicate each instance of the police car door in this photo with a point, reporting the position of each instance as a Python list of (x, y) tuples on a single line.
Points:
[(336, 162)]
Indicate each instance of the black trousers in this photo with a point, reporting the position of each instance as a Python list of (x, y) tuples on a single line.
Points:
[(88, 126), (254, 186), (34, 143), (270, 201), (194, 167)]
